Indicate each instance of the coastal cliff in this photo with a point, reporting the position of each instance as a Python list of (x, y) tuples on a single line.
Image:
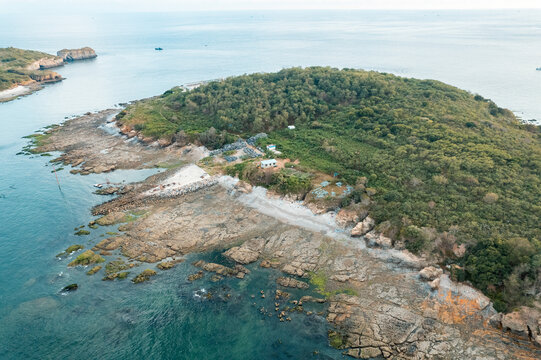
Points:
[(45, 77), (77, 54)]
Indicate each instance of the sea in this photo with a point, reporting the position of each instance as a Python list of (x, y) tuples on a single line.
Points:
[(492, 53)]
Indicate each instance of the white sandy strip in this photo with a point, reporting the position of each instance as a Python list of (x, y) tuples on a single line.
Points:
[(16, 91), (186, 176), (286, 211)]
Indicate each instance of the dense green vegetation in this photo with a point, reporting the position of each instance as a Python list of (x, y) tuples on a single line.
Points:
[(13, 63), (445, 167)]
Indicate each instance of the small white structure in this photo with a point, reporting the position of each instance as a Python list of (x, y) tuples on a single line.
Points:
[(271, 147), (268, 163), (291, 127)]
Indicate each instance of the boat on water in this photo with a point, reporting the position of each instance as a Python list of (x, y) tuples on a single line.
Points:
[(158, 49), (538, 69)]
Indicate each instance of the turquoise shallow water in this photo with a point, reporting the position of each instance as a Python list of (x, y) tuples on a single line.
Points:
[(494, 54)]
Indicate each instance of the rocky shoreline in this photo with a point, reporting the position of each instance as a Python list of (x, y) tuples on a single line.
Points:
[(382, 303)]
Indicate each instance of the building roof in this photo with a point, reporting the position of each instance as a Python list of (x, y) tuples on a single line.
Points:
[(268, 162)]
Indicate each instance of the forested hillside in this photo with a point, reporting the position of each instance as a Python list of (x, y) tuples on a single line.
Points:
[(448, 167)]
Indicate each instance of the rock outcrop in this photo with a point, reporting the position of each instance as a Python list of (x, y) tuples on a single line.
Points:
[(77, 54), (49, 76), (525, 322), (363, 227)]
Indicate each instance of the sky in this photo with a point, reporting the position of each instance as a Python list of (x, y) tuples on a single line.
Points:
[(10, 6)]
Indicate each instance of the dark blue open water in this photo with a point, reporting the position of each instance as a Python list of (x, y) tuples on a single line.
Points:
[(491, 53)]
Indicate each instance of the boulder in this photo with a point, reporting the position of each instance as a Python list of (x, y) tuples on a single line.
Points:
[(164, 142), (435, 284), (430, 273), (378, 240), (363, 227), (243, 187), (347, 217)]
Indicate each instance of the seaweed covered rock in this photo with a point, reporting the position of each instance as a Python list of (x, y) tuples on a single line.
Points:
[(94, 270), (119, 275), (88, 257), (144, 276), (71, 249), (166, 265)]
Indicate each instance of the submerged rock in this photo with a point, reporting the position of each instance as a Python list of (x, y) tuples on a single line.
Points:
[(144, 276), (166, 265), (198, 275), (94, 270), (70, 287), (292, 283), (111, 190), (222, 270)]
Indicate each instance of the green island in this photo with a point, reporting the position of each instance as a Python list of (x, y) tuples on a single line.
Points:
[(21, 67), (438, 168)]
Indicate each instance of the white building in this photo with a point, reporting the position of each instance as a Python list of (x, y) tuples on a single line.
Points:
[(268, 163), (291, 127), (271, 147)]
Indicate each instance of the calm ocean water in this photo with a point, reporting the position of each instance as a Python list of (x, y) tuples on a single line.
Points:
[(491, 53)]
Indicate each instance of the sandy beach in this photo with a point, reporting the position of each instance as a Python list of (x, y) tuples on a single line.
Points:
[(20, 90)]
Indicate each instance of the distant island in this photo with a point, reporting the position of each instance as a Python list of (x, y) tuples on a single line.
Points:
[(23, 71)]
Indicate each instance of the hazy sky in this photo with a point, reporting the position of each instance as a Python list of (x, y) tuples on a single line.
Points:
[(180, 5)]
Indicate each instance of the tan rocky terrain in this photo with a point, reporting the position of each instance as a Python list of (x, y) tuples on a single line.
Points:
[(85, 143), (382, 303)]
